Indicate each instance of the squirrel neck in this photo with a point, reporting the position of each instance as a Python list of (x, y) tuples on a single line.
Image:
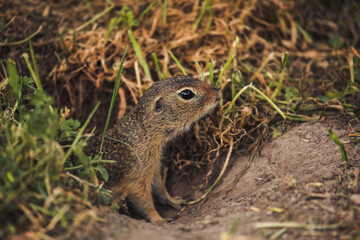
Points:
[(137, 129)]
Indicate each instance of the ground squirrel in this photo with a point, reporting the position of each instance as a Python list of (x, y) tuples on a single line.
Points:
[(167, 109)]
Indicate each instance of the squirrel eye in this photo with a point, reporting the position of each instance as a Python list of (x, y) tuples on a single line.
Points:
[(186, 94)]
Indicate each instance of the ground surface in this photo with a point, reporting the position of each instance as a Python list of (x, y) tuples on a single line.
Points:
[(305, 154)]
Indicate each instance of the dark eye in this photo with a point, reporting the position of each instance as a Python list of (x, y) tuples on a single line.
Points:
[(186, 94)]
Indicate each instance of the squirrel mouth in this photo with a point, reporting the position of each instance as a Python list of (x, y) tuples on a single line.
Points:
[(211, 108)]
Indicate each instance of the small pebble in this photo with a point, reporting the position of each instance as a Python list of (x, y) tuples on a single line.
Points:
[(222, 212), (328, 175), (186, 228), (355, 198), (293, 199), (210, 220)]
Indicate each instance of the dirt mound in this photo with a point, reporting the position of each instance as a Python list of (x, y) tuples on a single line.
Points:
[(294, 180)]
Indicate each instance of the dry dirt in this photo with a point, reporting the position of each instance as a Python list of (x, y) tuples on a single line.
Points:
[(299, 173)]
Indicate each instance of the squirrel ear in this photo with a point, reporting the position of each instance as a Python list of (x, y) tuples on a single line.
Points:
[(159, 105)]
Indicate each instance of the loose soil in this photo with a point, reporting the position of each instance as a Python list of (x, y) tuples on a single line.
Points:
[(300, 173)]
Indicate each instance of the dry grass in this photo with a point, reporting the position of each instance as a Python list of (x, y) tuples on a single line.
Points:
[(266, 30)]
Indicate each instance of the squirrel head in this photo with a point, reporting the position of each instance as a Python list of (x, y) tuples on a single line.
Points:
[(170, 106)]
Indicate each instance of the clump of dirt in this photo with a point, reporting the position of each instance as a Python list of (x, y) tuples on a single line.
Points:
[(297, 178)]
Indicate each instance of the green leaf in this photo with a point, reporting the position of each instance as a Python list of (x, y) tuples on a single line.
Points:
[(291, 92), (334, 94), (43, 120), (113, 23), (103, 173), (10, 177), (28, 83), (357, 74), (237, 77), (72, 123), (40, 99), (106, 199), (85, 160), (68, 128), (305, 34), (14, 79), (276, 133), (351, 88), (335, 41), (323, 98), (128, 17)]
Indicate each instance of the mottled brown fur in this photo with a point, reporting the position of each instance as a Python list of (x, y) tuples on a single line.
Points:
[(160, 116)]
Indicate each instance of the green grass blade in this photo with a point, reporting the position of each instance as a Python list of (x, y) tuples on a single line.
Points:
[(284, 62), (87, 5), (31, 70), (146, 10), (305, 34), (269, 100), (299, 117), (62, 41), (34, 62), (78, 136), (7, 24), (234, 227), (21, 41), (163, 10), (260, 93), (211, 73), (116, 88), (139, 54), (97, 16), (341, 145), (227, 64), (201, 15), (227, 159), (210, 17), (4, 70), (282, 75), (157, 67), (200, 69), (236, 97), (177, 63)]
